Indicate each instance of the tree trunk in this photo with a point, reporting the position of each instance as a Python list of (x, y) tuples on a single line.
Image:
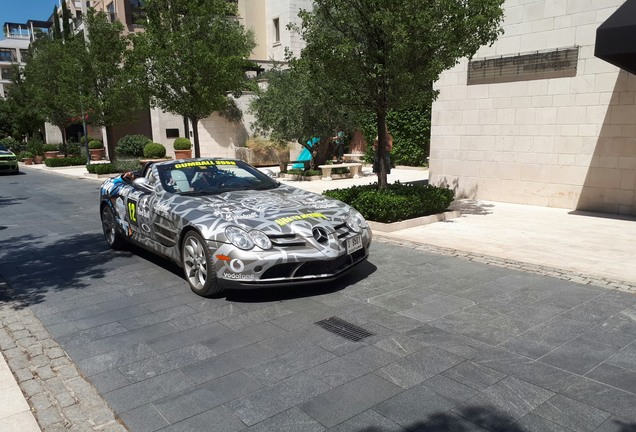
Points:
[(195, 130), (381, 151)]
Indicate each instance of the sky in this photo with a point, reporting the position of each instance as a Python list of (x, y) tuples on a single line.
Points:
[(20, 11)]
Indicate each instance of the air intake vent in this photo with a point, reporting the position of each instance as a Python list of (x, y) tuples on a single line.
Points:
[(344, 329)]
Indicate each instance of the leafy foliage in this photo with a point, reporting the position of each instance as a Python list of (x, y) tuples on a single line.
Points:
[(95, 144), (50, 147), (132, 145), (396, 202), (62, 162), (182, 144), (195, 54), (154, 150), (383, 55)]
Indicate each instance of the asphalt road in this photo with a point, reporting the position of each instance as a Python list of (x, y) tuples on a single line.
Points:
[(455, 345)]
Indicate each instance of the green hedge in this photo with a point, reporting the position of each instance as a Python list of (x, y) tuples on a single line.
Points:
[(50, 147), (182, 144), (120, 166), (397, 202), (154, 150), (62, 162), (95, 144), (132, 145)]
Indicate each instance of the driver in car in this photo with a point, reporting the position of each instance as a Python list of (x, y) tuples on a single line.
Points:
[(207, 178)]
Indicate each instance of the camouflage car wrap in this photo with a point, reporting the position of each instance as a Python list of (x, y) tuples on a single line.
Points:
[(311, 239)]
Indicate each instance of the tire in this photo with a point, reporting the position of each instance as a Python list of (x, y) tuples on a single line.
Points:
[(196, 260), (112, 235)]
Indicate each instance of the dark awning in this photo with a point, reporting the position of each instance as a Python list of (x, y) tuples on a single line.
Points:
[(616, 38)]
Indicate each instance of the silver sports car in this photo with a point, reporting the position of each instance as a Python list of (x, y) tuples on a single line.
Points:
[(230, 225)]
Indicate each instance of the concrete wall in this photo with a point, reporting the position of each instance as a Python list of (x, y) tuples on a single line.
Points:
[(561, 142)]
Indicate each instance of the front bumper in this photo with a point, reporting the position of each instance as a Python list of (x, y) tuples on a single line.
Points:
[(287, 265), (8, 165)]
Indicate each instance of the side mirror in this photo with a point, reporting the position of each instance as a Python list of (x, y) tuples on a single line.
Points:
[(143, 183)]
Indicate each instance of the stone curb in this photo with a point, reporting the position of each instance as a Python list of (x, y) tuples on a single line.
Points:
[(60, 398)]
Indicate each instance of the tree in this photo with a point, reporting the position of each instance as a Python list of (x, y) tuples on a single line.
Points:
[(195, 56), (295, 108), (53, 77), (113, 93), (23, 116), (379, 55)]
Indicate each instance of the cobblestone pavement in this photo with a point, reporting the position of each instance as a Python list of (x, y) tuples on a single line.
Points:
[(60, 397)]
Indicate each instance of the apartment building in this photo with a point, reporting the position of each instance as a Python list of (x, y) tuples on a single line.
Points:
[(14, 48), (547, 114)]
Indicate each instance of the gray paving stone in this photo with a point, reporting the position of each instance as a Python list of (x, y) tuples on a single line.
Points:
[(624, 379), (539, 312), (451, 422), (579, 355), (292, 420), (243, 337), (81, 337), (207, 316), (247, 319), (288, 364), (400, 346), (303, 318), (616, 424), (162, 363), (276, 399), (142, 393), (342, 403), (594, 311), (569, 413), (187, 337), (157, 317), (418, 405), (204, 397), (98, 319), (498, 330), (216, 420), (437, 308), (226, 363), (144, 419), (109, 380), (114, 359), (369, 421), (625, 358), (534, 423), (617, 331), (353, 365), (459, 345), (418, 367), (474, 375), (510, 398)]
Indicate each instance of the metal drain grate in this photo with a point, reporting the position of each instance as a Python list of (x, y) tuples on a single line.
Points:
[(343, 328)]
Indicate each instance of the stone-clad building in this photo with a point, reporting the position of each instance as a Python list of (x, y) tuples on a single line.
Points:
[(542, 117)]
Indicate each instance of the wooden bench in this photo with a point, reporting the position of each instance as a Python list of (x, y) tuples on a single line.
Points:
[(354, 169), (353, 157)]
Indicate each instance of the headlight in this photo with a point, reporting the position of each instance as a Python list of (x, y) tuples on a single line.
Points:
[(239, 238), (355, 221), (260, 239)]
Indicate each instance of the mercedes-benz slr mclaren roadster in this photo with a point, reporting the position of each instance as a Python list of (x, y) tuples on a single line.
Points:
[(230, 225)]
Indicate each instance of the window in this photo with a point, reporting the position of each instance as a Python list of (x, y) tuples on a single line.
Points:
[(6, 73), (7, 55), (111, 12), (276, 31), (172, 133), (137, 11)]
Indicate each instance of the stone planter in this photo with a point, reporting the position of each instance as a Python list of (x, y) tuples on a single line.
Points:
[(38, 159), (268, 157), (28, 161), (51, 154), (183, 154), (96, 154)]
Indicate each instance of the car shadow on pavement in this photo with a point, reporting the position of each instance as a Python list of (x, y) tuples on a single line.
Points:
[(35, 265)]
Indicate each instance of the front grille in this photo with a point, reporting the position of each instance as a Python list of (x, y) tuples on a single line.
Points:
[(312, 268), (344, 328)]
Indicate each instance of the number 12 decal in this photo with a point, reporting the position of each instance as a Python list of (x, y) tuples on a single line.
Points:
[(132, 212)]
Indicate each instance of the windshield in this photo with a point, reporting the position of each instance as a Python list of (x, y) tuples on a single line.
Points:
[(212, 176), (3, 148)]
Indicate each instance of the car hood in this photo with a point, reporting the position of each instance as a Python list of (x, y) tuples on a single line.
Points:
[(6, 153), (283, 210)]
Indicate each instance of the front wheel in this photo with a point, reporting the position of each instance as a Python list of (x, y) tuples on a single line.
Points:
[(197, 266), (113, 237)]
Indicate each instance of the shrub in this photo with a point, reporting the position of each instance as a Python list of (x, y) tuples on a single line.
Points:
[(310, 173), (154, 150), (68, 161), (50, 147), (123, 165), (105, 168), (25, 155), (95, 144), (396, 202), (72, 149), (182, 144), (132, 145), (36, 147)]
